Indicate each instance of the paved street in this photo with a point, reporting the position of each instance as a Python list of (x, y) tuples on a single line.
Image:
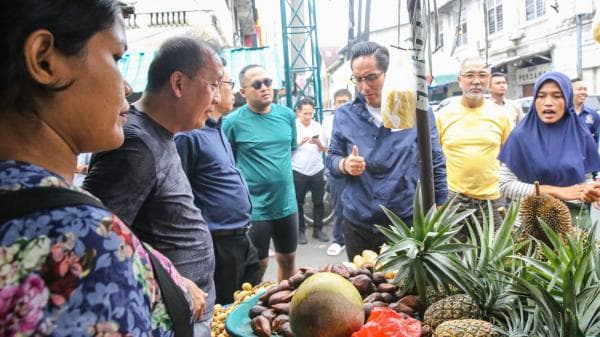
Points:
[(312, 254)]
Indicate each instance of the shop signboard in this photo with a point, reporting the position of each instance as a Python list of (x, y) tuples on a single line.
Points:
[(530, 74)]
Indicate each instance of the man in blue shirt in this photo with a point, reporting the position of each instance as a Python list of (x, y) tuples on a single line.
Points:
[(587, 115), (380, 165), (222, 195)]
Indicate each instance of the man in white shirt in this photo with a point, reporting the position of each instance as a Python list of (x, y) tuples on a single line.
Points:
[(307, 163), (498, 89)]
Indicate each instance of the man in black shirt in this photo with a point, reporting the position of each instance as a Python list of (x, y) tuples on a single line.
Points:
[(143, 181)]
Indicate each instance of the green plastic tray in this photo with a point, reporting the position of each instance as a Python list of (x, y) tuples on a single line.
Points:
[(237, 323)]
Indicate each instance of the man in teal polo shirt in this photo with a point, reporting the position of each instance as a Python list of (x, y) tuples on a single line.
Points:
[(262, 137)]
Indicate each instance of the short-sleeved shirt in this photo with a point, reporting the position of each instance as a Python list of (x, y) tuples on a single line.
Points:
[(591, 120), (471, 139), (514, 111), (307, 159), (74, 271), (218, 185), (144, 184), (262, 146)]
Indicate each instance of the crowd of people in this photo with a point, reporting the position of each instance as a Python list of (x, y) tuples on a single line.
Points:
[(184, 194)]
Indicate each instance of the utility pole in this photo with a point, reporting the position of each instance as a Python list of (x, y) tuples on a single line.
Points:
[(422, 114), (579, 46)]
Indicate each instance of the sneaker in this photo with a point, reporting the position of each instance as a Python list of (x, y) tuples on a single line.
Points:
[(319, 235), (302, 238), (335, 249)]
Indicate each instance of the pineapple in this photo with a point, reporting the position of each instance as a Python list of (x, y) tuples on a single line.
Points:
[(485, 282), (466, 328), (564, 289), (424, 254), (453, 307)]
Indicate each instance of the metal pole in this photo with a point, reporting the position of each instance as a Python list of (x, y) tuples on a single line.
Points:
[(359, 30), (487, 32), (398, 32), (316, 60), (367, 21), (579, 43), (286, 53), (350, 28), (422, 113)]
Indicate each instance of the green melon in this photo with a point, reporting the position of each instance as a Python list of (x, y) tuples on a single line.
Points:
[(326, 305)]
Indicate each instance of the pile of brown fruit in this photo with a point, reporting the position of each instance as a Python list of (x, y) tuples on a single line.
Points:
[(271, 314), (220, 312)]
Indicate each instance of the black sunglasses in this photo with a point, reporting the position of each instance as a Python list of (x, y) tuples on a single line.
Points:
[(259, 83)]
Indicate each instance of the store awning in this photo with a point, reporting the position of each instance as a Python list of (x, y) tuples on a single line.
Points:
[(443, 79), (444, 69), (134, 68), (134, 65)]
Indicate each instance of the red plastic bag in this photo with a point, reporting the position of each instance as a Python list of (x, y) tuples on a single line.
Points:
[(385, 322)]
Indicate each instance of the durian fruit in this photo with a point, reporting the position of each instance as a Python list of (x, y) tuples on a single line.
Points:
[(398, 110), (466, 328), (551, 210)]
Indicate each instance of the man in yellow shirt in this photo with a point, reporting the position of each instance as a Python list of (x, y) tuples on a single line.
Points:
[(471, 132)]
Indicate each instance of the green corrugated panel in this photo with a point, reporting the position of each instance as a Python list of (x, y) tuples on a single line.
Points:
[(134, 65), (265, 56)]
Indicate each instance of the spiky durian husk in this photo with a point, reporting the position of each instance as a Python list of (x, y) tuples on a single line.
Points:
[(453, 307), (466, 328), (551, 210)]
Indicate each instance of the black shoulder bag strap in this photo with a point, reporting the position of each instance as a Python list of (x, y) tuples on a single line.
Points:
[(16, 204)]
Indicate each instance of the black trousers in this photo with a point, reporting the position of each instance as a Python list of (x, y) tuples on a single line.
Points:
[(236, 262), (359, 238), (316, 185)]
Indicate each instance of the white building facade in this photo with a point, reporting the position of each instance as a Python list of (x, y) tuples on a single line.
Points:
[(522, 38)]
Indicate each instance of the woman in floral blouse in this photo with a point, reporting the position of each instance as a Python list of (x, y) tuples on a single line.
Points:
[(70, 271)]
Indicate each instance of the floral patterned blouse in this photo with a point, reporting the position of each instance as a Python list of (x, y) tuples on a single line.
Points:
[(75, 271)]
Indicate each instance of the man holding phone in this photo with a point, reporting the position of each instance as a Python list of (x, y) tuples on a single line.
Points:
[(307, 163)]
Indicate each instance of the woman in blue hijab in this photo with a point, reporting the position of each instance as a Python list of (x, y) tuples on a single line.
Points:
[(552, 146)]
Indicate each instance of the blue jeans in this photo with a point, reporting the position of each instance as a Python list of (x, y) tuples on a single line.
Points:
[(336, 187), (202, 328)]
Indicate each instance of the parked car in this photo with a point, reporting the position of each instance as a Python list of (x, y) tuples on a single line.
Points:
[(445, 102), (593, 101), (452, 99)]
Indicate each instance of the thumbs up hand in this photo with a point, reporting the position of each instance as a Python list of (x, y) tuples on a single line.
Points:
[(354, 164)]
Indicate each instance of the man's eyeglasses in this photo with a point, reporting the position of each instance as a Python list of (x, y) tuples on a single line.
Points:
[(473, 76), (369, 78), (259, 83), (231, 83)]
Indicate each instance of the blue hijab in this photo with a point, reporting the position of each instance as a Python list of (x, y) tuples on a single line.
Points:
[(558, 154)]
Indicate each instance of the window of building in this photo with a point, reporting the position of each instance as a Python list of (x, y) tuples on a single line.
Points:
[(495, 16), (441, 40), (535, 9), (462, 29)]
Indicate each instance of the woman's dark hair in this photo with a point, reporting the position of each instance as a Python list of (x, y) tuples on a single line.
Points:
[(370, 48), (185, 54), (72, 23), (304, 101)]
